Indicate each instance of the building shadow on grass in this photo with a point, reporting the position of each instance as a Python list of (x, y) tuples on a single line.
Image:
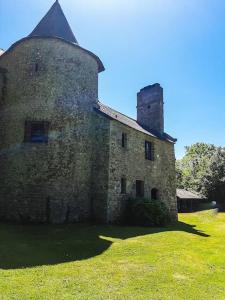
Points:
[(25, 246)]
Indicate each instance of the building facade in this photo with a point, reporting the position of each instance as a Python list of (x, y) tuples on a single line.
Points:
[(65, 156)]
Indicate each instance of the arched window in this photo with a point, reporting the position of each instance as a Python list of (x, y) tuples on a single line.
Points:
[(154, 194)]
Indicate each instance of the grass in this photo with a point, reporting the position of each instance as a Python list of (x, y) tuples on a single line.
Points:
[(184, 261)]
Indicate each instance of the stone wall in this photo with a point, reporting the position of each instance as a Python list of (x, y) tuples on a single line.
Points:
[(131, 164), (76, 176), (47, 80), (100, 168), (2, 99)]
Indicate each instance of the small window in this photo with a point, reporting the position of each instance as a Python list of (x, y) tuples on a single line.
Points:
[(36, 67), (149, 150), (154, 194), (36, 131), (123, 185), (140, 189), (124, 140)]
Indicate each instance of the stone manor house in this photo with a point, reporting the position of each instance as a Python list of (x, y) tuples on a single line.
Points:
[(64, 155)]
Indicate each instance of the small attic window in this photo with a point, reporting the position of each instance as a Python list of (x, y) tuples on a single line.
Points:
[(36, 132)]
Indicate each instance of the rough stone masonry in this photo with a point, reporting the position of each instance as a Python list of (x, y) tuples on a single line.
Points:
[(65, 156)]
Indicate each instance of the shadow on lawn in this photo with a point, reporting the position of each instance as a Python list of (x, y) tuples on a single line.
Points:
[(24, 246)]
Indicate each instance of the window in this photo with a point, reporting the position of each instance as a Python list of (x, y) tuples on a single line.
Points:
[(36, 67), (154, 194), (36, 131), (124, 140), (123, 185), (140, 189), (149, 150)]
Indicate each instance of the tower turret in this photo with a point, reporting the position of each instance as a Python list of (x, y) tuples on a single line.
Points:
[(54, 23), (49, 87)]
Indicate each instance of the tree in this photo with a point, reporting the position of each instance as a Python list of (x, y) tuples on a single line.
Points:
[(202, 169), (191, 168), (214, 178)]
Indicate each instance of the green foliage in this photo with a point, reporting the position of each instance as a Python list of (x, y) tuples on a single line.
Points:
[(214, 178), (202, 169), (191, 169), (145, 212)]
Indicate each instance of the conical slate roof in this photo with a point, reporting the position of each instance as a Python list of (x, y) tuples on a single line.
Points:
[(54, 24)]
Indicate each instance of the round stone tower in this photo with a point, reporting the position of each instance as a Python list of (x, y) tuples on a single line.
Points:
[(48, 90)]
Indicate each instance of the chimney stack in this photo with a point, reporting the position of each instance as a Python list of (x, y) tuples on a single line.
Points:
[(150, 113)]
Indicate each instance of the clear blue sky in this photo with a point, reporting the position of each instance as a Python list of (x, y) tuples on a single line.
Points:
[(178, 43)]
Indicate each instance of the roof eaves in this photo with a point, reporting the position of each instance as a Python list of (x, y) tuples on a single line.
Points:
[(164, 137), (101, 67), (185, 194)]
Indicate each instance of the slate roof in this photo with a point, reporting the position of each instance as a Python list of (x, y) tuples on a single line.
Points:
[(184, 194), (132, 123), (55, 24)]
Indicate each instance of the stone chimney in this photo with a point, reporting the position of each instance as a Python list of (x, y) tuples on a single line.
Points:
[(150, 113)]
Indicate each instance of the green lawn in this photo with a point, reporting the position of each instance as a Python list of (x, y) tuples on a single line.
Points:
[(186, 261)]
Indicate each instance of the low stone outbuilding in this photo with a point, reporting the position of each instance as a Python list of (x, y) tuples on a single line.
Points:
[(64, 155), (189, 201)]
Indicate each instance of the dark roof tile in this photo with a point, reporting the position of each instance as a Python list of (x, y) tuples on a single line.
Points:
[(55, 24), (115, 115)]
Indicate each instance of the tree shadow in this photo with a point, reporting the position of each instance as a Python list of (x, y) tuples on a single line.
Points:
[(25, 246)]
